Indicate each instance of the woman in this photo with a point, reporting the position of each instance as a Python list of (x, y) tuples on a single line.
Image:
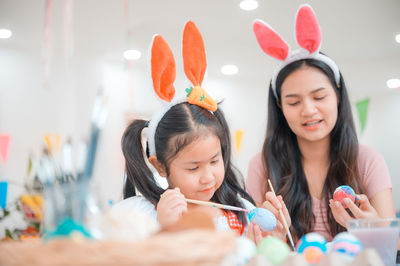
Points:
[(311, 145)]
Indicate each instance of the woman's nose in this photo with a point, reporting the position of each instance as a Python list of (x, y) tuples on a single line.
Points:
[(308, 108)]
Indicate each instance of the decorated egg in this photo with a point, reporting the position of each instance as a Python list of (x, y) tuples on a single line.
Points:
[(343, 192), (312, 246), (264, 218), (346, 243), (274, 249), (245, 250)]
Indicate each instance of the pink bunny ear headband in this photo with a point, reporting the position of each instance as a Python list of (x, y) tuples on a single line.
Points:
[(308, 36), (163, 71)]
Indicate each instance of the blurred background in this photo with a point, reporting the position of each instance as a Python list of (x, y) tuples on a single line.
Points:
[(59, 54)]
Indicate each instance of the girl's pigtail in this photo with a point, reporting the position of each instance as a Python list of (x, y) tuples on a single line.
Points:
[(138, 174)]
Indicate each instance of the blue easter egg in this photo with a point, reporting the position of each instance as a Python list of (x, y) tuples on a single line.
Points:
[(346, 243), (264, 218), (312, 240), (313, 247)]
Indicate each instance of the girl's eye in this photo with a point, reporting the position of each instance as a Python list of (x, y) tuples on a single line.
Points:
[(294, 104), (193, 169), (214, 162), (319, 98)]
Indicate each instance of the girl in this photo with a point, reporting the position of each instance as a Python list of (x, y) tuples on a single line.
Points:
[(188, 144), (311, 145)]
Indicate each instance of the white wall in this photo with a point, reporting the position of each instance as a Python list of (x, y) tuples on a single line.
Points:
[(382, 132)]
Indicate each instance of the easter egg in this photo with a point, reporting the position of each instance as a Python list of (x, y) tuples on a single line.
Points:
[(346, 243), (264, 218), (245, 250), (312, 246), (274, 249), (343, 192)]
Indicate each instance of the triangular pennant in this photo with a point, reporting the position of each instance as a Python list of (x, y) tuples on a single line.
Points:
[(4, 146), (362, 109), (238, 140), (52, 141), (3, 194)]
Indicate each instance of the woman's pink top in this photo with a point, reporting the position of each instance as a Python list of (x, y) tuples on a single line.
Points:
[(374, 175)]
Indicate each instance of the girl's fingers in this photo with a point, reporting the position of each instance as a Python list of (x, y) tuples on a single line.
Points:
[(257, 234), (177, 204), (180, 210)]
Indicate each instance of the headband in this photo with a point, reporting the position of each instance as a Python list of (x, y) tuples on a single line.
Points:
[(163, 72), (308, 36)]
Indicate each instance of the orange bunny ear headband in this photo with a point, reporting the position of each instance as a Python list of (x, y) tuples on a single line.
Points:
[(308, 36), (163, 73)]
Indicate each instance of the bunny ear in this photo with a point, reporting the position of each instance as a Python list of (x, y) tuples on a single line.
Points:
[(163, 69), (308, 33), (270, 41), (193, 53)]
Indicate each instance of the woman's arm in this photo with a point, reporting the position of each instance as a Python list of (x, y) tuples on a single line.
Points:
[(256, 180)]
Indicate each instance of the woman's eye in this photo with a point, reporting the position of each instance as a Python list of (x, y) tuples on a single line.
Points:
[(294, 104), (214, 162), (319, 98), (193, 169)]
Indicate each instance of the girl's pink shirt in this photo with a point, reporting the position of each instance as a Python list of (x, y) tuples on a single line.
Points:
[(373, 171)]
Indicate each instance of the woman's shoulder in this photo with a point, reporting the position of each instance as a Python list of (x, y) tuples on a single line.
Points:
[(374, 172), (368, 156), (257, 160)]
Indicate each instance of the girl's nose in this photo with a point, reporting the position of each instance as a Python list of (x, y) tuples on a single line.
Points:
[(206, 176)]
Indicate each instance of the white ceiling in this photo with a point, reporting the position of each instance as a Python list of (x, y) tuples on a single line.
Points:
[(357, 34)]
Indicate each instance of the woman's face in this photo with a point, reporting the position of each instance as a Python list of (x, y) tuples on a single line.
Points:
[(309, 104)]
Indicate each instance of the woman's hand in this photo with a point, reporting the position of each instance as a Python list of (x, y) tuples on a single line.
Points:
[(273, 204), (171, 207), (365, 210)]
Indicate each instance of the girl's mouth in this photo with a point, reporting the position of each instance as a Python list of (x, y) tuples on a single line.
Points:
[(207, 190)]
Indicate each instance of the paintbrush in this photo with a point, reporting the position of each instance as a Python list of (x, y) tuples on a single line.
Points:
[(216, 205), (283, 219)]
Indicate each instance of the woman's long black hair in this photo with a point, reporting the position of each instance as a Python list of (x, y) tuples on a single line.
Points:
[(181, 125), (283, 159)]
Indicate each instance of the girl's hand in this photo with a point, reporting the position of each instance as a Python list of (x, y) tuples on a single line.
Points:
[(171, 207), (273, 204), (254, 233), (365, 210)]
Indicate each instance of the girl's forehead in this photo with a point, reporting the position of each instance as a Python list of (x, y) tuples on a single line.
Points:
[(202, 148)]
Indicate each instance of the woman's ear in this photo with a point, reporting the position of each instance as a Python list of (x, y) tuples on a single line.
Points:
[(278, 104), (159, 166)]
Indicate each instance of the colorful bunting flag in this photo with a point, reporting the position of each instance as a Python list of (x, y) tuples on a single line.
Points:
[(238, 140), (362, 108), (53, 142), (4, 146), (3, 194)]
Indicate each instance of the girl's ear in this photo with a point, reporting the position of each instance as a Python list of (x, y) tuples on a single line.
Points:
[(159, 166)]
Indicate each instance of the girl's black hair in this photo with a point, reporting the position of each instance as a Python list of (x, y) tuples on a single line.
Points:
[(283, 159), (181, 125)]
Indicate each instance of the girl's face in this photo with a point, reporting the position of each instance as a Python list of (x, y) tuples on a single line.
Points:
[(198, 169), (309, 104)]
